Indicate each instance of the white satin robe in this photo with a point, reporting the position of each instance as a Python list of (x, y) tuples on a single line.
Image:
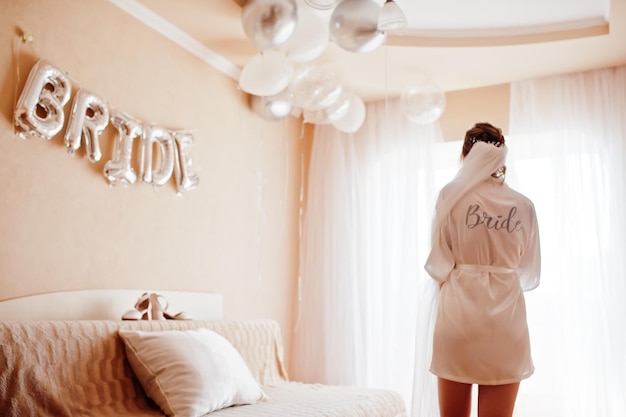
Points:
[(486, 254)]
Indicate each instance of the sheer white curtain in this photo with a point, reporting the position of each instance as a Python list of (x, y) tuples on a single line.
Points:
[(360, 252), (567, 145), (364, 303)]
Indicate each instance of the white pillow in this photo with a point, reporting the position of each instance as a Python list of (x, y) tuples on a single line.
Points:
[(190, 373)]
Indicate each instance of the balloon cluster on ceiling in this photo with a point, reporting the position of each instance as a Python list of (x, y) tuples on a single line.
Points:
[(282, 80)]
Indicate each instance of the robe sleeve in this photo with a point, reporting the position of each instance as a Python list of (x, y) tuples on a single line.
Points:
[(440, 261), (529, 269)]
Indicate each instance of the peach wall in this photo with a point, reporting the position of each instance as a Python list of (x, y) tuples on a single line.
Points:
[(63, 227), (466, 107)]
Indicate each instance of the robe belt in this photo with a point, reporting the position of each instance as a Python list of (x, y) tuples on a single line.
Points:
[(484, 268)]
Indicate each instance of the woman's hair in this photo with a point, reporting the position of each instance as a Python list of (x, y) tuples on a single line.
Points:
[(482, 132)]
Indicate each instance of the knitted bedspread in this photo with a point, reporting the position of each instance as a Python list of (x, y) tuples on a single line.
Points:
[(79, 369)]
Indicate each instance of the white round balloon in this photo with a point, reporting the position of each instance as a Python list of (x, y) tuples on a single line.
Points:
[(274, 107), (327, 115), (354, 117), (265, 74), (423, 102), (314, 88), (309, 39)]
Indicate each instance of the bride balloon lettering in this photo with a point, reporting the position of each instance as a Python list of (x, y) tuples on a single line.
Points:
[(39, 113)]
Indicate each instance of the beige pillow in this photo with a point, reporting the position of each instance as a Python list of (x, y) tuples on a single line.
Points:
[(190, 373)]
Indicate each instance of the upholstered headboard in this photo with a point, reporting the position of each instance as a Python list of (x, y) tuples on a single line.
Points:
[(106, 305)]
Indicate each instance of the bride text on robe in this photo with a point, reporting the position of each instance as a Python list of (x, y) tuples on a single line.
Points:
[(498, 222)]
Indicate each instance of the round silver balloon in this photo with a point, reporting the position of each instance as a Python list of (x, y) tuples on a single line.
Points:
[(423, 102), (354, 26), (269, 23)]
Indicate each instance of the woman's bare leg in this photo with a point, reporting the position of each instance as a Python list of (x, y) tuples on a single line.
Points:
[(455, 398), (497, 400)]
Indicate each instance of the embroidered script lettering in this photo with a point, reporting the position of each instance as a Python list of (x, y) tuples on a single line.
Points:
[(473, 219)]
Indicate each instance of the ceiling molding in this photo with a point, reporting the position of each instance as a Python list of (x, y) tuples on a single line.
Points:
[(178, 36), (503, 36)]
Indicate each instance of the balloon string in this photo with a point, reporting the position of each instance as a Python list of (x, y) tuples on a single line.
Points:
[(26, 38), (263, 65), (386, 88), (260, 192), (300, 229), (287, 174), (16, 56)]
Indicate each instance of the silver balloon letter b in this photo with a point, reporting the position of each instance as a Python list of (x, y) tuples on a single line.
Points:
[(39, 110)]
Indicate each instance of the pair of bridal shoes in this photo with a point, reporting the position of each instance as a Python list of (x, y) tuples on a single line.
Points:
[(153, 307)]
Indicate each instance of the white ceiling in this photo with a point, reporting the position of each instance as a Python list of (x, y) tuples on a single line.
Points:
[(498, 15), (458, 44)]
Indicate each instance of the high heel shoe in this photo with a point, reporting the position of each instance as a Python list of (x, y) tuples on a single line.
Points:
[(178, 316), (156, 309), (159, 309), (143, 303), (132, 315), (153, 307), (141, 308)]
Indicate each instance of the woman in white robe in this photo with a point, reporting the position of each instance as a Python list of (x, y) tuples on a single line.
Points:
[(485, 253)]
